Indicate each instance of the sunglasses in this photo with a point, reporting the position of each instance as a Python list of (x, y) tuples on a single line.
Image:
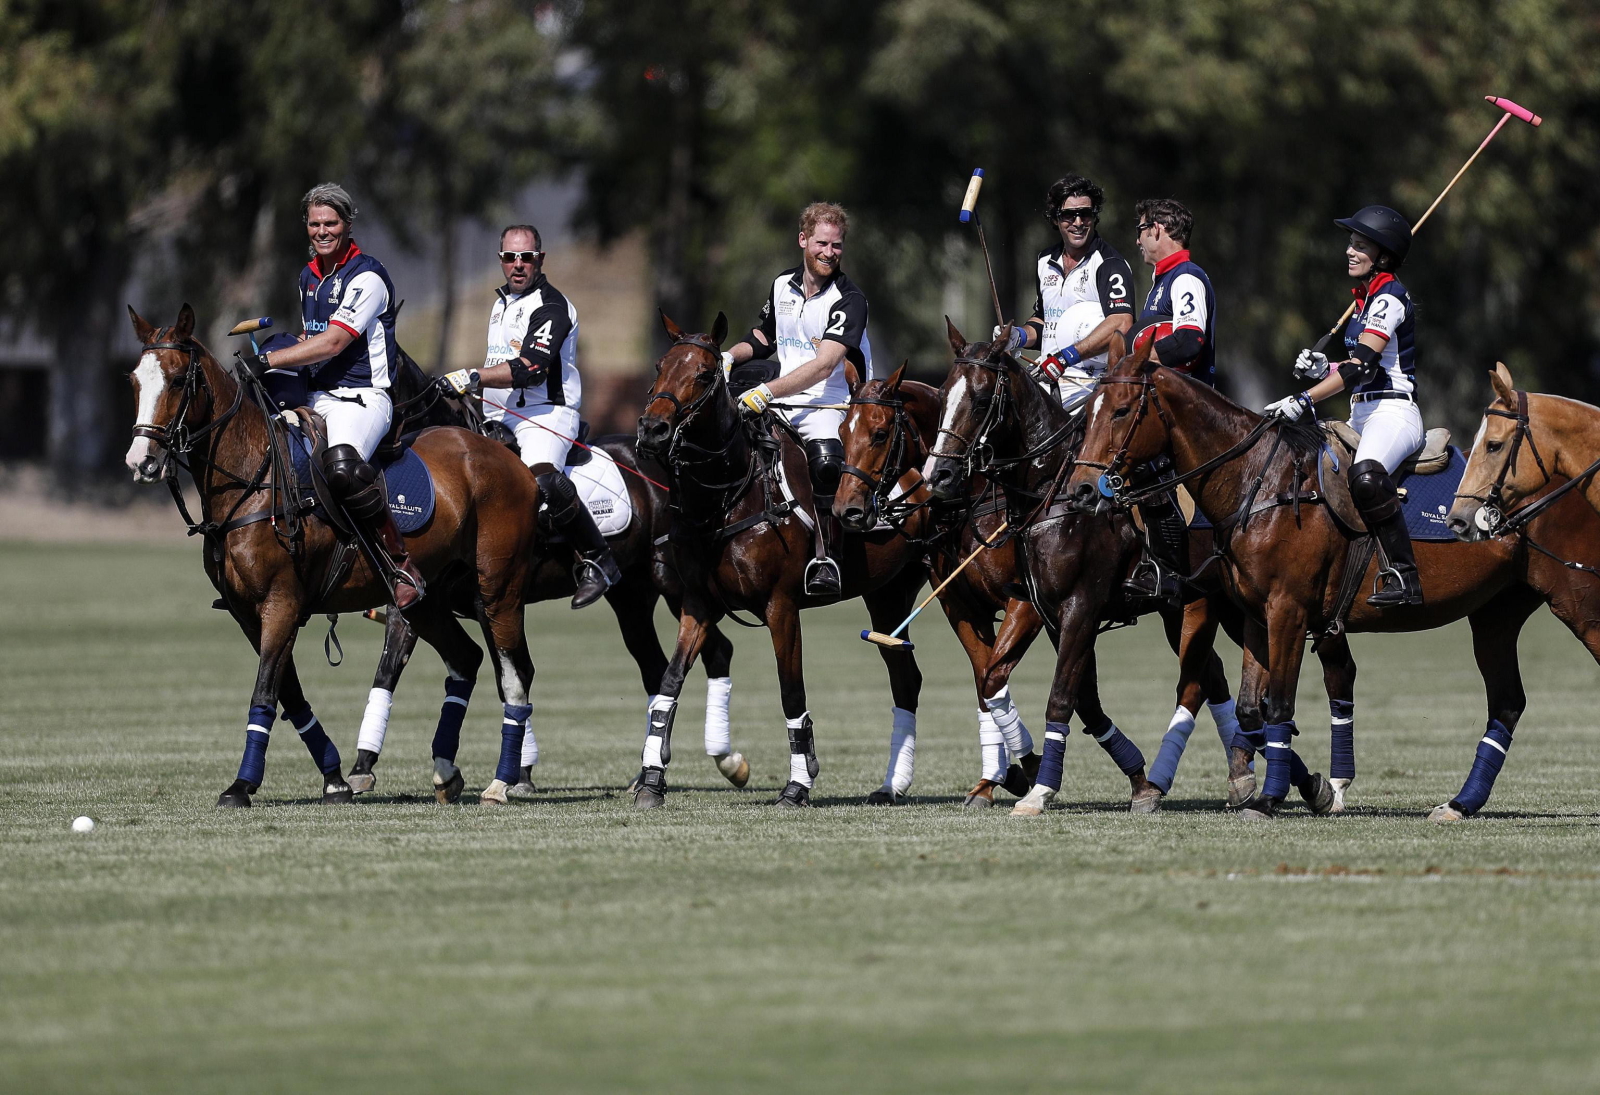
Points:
[(1064, 216), (1145, 226), (529, 257)]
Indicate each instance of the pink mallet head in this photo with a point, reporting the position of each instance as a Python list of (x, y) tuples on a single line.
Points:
[(1512, 108)]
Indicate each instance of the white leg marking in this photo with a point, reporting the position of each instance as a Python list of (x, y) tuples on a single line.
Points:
[(510, 683)]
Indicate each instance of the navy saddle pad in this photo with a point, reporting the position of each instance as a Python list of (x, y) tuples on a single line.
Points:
[(407, 482)]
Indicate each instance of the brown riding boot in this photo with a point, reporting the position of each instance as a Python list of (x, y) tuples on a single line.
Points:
[(408, 585)]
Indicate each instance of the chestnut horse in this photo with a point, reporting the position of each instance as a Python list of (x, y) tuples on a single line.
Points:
[(274, 569), (741, 543), (1283, 560)]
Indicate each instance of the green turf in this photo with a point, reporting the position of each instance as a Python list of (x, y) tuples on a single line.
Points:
[(572, 944)]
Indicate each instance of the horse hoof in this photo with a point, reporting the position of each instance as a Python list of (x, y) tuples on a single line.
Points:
[(362, 782), (1034, 803), (734, 767), (883, 796), (980, 797), (1340, 786), (448, 782), (1017, 781), (336, 792), (1147, 800), (650, 789), (794, 796), (633, 784), (1241, 789), (236, 797), (1260, 808), (494, 794), (523, 788), (1447, 812), (1322, 797)]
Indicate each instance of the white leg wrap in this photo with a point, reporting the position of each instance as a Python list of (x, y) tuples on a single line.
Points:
[(719, 729), (530, 745), (991, 749), (652, 743), (902, 751), (375, 720), (1009, 720)]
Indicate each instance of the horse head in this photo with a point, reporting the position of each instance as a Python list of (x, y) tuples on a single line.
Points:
[(1119, 432), (688, 376), (877, 439), (1495, 479), (166, 382), (970, 407)]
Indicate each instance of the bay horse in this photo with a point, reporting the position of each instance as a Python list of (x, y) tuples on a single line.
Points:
[(1283, 555), (274, 569), (647, 577), (886, 435), (994, 419), (741, 539)]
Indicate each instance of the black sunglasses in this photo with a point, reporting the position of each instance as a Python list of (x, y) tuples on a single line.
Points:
[(1063, 216), (529, 257), (1145, 226)]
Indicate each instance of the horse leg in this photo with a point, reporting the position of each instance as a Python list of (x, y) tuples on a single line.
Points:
[(887, 607), (783, 621), (717, 657), (399, 639), (1075, 645), (437, 626), (1021, 626), (1285, 642), (650, 786), (1191, 632), (1339, 679), (272, 635), (503, 627), (1495, 630), (975, 633), (324, 754), (1143, 797)]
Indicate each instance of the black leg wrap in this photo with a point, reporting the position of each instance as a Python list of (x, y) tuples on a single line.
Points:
[(661, 727), (800, 742)]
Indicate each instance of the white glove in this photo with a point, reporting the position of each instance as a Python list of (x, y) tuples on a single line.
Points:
[(462, 381), (727, 363), (1018, 336), (756, 399), (1290, 407), (1311, 365)]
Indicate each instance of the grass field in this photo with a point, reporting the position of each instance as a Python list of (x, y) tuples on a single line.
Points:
[(571, 944)]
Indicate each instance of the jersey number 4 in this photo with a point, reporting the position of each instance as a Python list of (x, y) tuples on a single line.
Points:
[(541, 335)]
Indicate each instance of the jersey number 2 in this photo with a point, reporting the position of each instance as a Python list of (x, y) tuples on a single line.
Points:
[(835, 324)]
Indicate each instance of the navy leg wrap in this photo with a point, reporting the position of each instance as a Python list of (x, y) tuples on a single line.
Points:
[(1279, 778), (1165, 768), (254, 765), (1055, 754), (447, 735), (1299, 774), (1342, 722), (1124, 754), (323, 752), (511, 732), (1492, 749), (1251, 741)]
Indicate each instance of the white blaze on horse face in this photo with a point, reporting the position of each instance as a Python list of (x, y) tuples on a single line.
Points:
[(151, 382), (957, 396)]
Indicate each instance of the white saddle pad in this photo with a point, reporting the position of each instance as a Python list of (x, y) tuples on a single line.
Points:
[(602, 489)]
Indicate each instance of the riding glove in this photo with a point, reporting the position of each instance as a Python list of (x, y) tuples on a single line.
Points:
[(727, 363), (1291, 407), (1018, 337), (461, 382), (1311, 365), (253, 363), (1057, 363), (756, 399)]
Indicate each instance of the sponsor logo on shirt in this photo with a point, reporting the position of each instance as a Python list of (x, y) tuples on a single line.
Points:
[(786, 307), (1051, 281)]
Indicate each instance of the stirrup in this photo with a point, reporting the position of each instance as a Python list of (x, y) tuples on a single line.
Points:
[(1395, 591), (822, 578), (1152, 580), (593, 582)]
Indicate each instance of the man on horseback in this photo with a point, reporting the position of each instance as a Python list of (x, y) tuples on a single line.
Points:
[(1180, 317), (1380, 374), (530, 376), (1084, 293), (348, 349), (815, 320)]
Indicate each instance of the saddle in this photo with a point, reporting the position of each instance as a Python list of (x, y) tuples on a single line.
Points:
[(496, 430), (1333, 469)]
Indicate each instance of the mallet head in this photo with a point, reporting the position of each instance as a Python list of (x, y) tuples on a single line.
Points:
[(970, 202), (1512, 108)]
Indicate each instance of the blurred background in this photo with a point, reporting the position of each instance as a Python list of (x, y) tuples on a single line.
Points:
[(154, 151)]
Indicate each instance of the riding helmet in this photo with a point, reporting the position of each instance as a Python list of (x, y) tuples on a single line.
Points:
[(1384, 227)]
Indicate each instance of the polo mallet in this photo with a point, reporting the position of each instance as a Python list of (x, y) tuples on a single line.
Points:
[(969, 214), (250, 327), (893, 640), (1511, 110)]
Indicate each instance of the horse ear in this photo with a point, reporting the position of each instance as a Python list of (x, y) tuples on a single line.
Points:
[(719, 329), (1117, 350), (957, 344), (183, 330), (897, 376), (141, 330), (674, 332), (997, 348), (1500, 378)]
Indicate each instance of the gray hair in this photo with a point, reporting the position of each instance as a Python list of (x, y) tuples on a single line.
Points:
[(333, 196)]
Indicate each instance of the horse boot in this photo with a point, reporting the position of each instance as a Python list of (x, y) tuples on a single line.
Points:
[(825, 459), (1375, 496), (1158, 572), (355, 482), (596, 570)]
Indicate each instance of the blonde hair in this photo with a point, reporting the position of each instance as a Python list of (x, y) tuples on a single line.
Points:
[(823, 213)]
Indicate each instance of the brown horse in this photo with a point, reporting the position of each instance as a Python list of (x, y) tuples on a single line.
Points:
[(1525, 441), (740, 542), (1283, 555), (274, 569)]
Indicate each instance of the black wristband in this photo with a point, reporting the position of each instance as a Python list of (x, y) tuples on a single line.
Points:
[(524, 375)]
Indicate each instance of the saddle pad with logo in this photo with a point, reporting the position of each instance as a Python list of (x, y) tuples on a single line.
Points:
[(1426, 499), (407, 481), (600, 485)]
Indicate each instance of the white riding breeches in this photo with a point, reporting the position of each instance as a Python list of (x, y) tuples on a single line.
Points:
[(1390, 429), (361, 424), (816, 423), (545, 434)]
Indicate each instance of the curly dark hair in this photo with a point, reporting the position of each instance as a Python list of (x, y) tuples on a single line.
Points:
[(1169, 214), (1072, 186)]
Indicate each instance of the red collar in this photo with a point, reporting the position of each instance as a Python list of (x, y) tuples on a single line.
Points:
[(1172, 260), (349, 254), (1366, 289)]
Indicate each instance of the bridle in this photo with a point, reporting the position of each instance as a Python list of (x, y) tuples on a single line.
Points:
[(176, 438), (1491, 517), (680, 452), (993, 415), (899, 461)]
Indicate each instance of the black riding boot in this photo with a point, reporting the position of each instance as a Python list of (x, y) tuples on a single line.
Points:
[(355, 482), (825, 459), (596, 570), (1375, 496), (1166, 552)]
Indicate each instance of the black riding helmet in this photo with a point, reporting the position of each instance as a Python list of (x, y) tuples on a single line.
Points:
[(1384, 227)]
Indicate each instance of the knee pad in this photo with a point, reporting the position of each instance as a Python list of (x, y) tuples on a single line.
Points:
[(825, 457), (559, 493), (345, 471), (1373, 491), (496, 430)]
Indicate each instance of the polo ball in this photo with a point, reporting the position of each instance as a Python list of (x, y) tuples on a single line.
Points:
[(83, 824)]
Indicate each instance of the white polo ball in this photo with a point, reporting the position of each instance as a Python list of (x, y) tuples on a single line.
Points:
[(83, 824)]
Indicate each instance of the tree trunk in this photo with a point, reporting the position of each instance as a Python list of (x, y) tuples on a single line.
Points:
[(447, 286), (82, 428), (675, 285)]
